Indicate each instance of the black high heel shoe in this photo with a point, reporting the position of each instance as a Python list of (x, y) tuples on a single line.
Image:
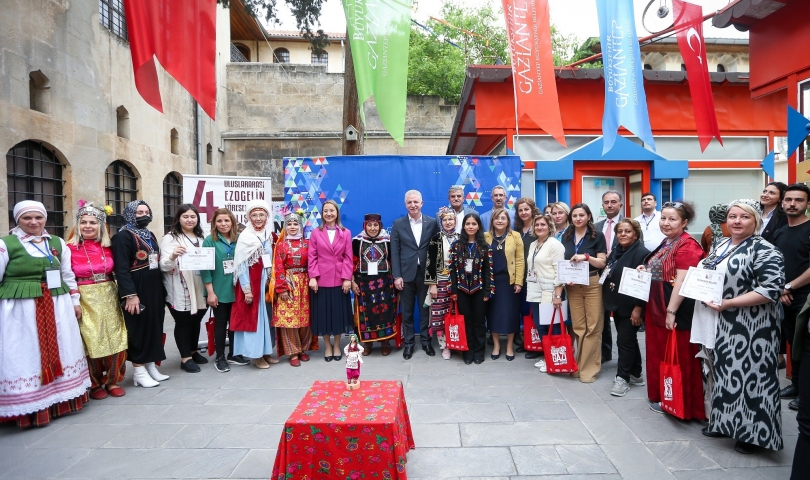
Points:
[(509, 358), (495, 357)]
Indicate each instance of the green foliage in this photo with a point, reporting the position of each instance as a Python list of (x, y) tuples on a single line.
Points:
[(584, 51), (434, 67)]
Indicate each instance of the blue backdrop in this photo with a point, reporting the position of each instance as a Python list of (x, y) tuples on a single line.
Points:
[(377, 184)]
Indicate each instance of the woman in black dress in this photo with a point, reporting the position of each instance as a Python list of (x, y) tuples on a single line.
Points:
[(140, 286)]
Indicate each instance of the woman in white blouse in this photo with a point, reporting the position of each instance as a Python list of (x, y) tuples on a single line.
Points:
[(184, 288), (541, 268)]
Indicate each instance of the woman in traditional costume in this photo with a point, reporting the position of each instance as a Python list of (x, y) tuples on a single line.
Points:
[(291, 312), (184, 288), (43, 370), (136, 255), (102, 321), (437, 274), (250, 317), (373, 285)]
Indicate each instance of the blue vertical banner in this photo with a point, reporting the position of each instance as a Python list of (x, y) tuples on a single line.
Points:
[(625, 101)]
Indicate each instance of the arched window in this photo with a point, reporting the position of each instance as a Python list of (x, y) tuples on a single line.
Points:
[(281, 55), (320, 59), (39, 89), (721, 68), (647, 66), (209, 154), (35, 173), (174, 139), (172, 198), (121, 188), (244, 50), (122, 121)]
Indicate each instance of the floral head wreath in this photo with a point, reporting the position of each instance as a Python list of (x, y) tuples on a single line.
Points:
[(87, 208)]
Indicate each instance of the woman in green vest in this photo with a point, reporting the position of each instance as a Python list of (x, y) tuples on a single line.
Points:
[(43, 372)]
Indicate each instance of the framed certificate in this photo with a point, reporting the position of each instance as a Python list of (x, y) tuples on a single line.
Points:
[(635, 283), (704, 285), (570, 272), (201, 258)]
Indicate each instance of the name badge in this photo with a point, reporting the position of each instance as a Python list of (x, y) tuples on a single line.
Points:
[(605, 273), (468, 264), (267, 260), (531, 277), (373, 268), (54, 278), (227, 266), (153, 261)]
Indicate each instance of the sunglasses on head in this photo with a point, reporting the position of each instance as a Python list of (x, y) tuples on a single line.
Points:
[(673, 205)]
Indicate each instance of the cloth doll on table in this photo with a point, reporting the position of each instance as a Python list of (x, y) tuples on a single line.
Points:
[(354, 357)]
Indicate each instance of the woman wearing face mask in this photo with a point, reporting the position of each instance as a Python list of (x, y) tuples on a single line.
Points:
[(628, 312), (102, 323), (437, 275), (136, 254), (251, 313), (291, 312), (43, 372), (185, 290), (373, 285)]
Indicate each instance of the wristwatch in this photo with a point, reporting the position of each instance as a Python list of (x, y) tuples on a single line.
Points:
[(559, 297), (788, 287)]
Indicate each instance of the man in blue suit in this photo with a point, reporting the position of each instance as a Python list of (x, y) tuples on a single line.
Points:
[(410, 236)]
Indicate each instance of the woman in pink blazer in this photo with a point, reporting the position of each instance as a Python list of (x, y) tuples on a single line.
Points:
[(330, 278)]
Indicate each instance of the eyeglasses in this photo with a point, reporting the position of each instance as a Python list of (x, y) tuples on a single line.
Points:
[(673, 205)]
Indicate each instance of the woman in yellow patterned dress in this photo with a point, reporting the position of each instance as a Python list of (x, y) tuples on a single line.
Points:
[(291, 312), (102, 322)]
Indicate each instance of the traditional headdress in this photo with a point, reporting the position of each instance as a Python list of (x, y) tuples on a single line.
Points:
[(372, 217), (87, 208), (368, 218), (446, 212), (29, 206), (746, 201)]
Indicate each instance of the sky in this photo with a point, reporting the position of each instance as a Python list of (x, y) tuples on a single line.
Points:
[(577, 17)]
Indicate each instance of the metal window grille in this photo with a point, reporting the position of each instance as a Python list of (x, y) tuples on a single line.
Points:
[(112, 16), (322, 59), (281, 55), (121, 188), (237, 55), (34, 173), (172, 198)]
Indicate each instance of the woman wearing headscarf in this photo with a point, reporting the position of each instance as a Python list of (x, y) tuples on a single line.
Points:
[(717, 230), (373, 285), (437, 274), (253, 260), (102, 323), (744, 331), (291, 312), (43, 371), (136, 254)]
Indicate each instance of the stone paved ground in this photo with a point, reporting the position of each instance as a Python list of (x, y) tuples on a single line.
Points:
[(498, 420)]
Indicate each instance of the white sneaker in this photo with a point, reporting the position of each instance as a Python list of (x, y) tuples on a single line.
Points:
[(541, 364), (620, 387), (637, 381), (446, 354)]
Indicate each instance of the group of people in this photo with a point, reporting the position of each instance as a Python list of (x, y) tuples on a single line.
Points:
[(273, 297)]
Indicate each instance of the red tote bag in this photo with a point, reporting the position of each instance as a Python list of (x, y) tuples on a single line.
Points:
[(454, 331), (531, 337), (671, 381), (559, 349), (209, 328)]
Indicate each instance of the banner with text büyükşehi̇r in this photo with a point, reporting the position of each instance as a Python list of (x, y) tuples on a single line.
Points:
[(379, 31)]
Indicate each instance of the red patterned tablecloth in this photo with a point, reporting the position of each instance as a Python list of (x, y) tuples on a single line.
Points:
[(337, 433)]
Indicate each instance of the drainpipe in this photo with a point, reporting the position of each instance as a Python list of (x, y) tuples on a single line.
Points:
[(198, 136)]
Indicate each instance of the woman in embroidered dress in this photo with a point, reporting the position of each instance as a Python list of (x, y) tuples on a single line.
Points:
[(472, 284), (373, 285), (184, 288), (745, 394), (541, 277), (102, 322), (43, 370), (136, 255), (354, 358), (668, 310), (508, 264), (437, 274), (291, 312), (330, 278), (219, 285), (250, 317)]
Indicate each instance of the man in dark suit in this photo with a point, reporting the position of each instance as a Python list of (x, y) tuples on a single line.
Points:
[(613, 207), (410, 236)]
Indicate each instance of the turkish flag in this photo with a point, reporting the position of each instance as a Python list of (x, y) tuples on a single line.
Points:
[(689, 25), (529, 30), (182, 35)]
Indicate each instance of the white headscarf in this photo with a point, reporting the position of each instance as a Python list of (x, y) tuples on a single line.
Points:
[(29, 206), (249, 246)]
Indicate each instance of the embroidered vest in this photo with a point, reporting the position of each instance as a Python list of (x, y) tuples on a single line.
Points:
[(25, 274)]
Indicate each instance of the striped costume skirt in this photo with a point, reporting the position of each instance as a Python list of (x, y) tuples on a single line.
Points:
[(440, 306)]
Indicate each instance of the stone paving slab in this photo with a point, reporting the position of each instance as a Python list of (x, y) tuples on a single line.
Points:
[(497, 421)]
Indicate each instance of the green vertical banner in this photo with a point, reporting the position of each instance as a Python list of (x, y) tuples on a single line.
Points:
[(379, 31)]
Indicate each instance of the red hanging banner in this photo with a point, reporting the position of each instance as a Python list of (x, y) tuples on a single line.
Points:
[(529, 30), (689, 25), (182, 35)]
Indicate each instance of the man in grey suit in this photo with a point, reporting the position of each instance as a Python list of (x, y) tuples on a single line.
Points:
[(613, 206), (456, 198), (410, 236)]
